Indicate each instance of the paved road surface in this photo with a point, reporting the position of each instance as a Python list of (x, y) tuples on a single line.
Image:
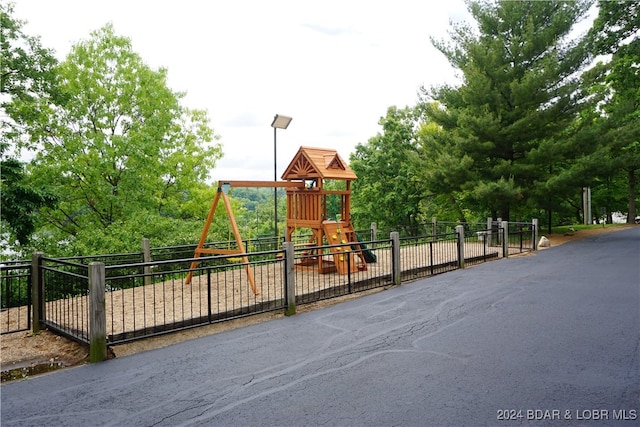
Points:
[(554, 335)]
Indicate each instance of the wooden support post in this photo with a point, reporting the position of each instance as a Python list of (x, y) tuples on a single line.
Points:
[(236, 233), (395, 258), (460, 235), (37, 292), (146, 257), (290, 279), (203, 236), (97, 313), (434, 227), (534, 235)]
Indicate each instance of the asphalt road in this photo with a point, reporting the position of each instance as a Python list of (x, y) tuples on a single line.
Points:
[(550, 339)]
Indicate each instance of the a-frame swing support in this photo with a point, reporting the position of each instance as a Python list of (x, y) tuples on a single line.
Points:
[(221, 193)]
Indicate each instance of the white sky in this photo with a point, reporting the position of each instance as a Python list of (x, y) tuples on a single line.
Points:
[(334, 66)]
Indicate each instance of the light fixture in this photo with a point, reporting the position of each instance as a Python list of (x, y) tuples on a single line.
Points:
[(279, 122)]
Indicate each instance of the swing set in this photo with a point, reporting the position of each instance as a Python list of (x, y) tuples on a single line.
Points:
[(306, 208)]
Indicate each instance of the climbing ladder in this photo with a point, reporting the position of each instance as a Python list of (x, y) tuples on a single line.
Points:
[(341, 233)]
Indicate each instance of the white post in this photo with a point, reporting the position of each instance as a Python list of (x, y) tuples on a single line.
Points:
[(505, 238), (489, 231), (586, 205), (534, 225)]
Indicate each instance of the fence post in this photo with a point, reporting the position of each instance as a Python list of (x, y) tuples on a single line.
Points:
[(37, 294), (505, 238), (97, 313), (434, 227), (374, 231), (290, 279), (460, 235), (534, 226), (489, 231), (146, 257), (395, 258)]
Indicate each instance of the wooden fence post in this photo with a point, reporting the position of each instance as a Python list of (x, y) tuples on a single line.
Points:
[(146, 257), (395, 258), (489, 232), (37, 295), (434, 227), (534, 231), (97, 313), (460, 235), (290, 279)]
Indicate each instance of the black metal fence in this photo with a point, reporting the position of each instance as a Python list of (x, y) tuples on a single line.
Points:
[(152, 298), (365, 266), (64, 307), (423, 256), (521, 237), (15, 296), (143, 299)]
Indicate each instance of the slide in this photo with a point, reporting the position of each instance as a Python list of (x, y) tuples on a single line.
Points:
[(369, 256)]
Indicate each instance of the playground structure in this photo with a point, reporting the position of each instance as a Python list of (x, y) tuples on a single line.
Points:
[(304, 181)]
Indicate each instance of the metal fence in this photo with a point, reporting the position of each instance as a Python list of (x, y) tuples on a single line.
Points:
[(15, 296), (143, 299), (521, 237), (64, 306), (426, 255), (148, 299), (368, 265)]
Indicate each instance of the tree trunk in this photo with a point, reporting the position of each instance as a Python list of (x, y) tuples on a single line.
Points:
[(505, 214), (631, 216)]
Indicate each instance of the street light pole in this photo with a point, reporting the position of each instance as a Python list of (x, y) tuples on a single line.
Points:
[(279, 122), (275, 189)]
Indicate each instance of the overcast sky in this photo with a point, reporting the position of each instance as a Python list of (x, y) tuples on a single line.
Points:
[(334, 66)]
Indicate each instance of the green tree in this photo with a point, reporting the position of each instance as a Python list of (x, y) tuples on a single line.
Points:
[(20, 202), (27, 78), (120, 146), (519, 91), (388, 190), (616, 32)]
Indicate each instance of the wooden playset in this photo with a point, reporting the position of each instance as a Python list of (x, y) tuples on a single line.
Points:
[(304, 181)]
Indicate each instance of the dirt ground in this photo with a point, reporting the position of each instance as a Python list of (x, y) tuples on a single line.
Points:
[(23, 354)]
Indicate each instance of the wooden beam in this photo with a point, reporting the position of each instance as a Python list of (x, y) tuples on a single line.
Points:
[(268, 184), (203, 236)]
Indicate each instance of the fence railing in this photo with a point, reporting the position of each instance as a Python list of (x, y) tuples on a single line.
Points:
[(143, 299), (15, 296), (64, 304), (147, 299)]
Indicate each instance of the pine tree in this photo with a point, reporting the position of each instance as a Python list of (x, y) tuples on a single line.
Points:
[(519, 92)]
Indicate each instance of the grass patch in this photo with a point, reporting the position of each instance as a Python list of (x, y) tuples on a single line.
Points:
[(568, 229)]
